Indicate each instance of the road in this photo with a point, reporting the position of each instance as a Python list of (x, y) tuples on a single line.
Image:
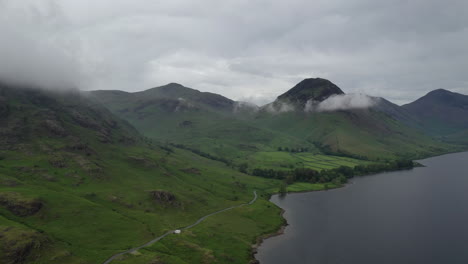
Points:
[(183, 228)]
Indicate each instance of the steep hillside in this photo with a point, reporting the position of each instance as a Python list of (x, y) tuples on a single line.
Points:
[(442, 113), (78, 184), (365, 134), (377, 131)]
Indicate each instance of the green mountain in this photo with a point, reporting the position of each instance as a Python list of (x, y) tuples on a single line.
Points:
[(203, 121), (443, 114), (377, 131), (78, 184), (211, 124)]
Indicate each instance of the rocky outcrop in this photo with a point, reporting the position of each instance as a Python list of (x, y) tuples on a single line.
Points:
[(18, 244), (20, 205), (161, 196), (54, 127)]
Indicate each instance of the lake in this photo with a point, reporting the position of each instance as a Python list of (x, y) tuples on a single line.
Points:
[(415, 216)]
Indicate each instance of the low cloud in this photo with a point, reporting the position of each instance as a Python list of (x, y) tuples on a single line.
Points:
[(32, 52), (342, 102), (240, 107), (279, 107)]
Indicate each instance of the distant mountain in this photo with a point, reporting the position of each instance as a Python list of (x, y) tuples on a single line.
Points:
[(205, 121), (208, 122), (171, 98), (308, 90), (441, 113)]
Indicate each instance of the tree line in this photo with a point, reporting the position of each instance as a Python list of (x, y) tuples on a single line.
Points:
[(293, 150), (338, 175)]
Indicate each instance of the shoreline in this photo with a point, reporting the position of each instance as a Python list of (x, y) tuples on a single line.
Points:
[(262, 238), (281, 229)]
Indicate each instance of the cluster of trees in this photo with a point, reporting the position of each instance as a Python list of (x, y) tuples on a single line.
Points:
[(338, 175), (304, 175), (293, 150)]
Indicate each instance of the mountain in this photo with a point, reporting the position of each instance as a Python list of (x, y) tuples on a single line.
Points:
[(172, 97), (379, 131), (308, 90), (203, 121), (442, 113), (78, 184), (27, 114)]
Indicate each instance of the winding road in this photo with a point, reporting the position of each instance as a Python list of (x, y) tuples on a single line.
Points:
[(183, 228)]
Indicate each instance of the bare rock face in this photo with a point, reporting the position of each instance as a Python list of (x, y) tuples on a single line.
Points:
[(20, 205), (54, 127), (163, 196)]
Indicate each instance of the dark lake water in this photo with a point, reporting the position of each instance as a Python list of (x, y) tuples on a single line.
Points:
[(416, 216)]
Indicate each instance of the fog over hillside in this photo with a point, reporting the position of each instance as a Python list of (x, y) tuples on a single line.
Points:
[(33, 49)]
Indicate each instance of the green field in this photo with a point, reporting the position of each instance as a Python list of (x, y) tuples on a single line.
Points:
[(286, 161)]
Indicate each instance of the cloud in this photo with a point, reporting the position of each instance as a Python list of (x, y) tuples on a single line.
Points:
[(242, 107), (278, 107), (343, 102), (32, 51), (248, 49)]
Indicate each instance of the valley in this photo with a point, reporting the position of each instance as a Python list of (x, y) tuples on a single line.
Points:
[(86, 175)]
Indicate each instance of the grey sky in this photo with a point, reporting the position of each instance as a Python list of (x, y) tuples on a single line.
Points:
[(243, 49)]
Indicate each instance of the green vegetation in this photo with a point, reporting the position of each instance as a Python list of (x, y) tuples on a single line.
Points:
[(78, 184), (223, 238)]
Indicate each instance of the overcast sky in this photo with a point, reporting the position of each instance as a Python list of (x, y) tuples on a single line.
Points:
[(243, 49)]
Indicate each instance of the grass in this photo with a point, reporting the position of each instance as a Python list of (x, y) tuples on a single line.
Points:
[(286, 161), (95, 216), (223, 238)]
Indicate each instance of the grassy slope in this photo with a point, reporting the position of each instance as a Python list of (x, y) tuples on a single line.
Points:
[(94, 187), (213, 131), (113, 212), (370, 134)]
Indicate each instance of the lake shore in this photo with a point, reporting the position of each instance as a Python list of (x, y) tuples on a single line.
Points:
[(429, 170), (262, 238)]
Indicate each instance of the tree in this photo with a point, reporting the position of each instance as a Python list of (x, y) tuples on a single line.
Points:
[(243, 167), (283, 189)]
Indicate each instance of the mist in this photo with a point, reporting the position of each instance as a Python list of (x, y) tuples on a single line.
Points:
[(279, 107), (240, 107), (33, 52), (344, 102)]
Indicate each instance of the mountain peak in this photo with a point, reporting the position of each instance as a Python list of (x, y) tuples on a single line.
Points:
[(316, 89), (173, 84), (439, 91), (444, 96)]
